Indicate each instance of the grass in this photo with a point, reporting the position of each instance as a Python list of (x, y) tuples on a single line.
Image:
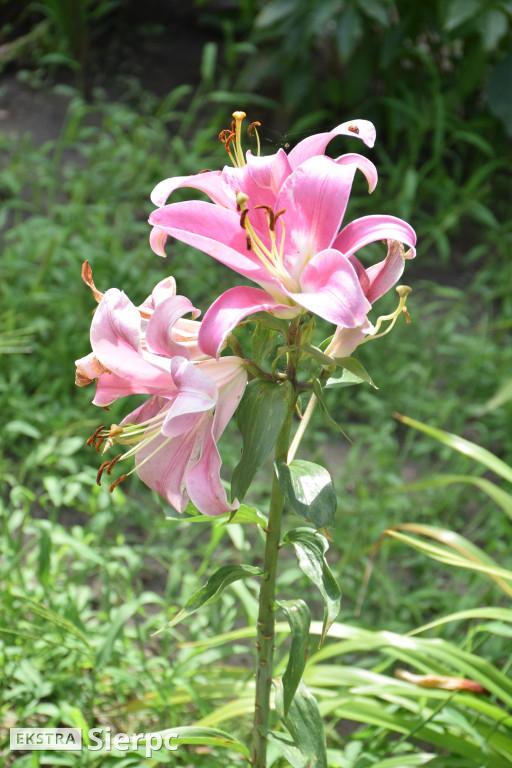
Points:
[(91, 576)]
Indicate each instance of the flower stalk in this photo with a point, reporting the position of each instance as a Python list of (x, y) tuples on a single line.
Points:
[(266, 619)]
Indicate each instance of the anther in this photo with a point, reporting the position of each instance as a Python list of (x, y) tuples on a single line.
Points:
[(224, 134), (98, 443), (248, 241), (116, 483), (100, 472), (94, 435), (270, 216), (256, 124), (279, 213), (243, 217), (113, 463), (206, 170)]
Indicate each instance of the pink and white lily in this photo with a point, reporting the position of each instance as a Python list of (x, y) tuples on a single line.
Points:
[(173, 435), (277, 220)]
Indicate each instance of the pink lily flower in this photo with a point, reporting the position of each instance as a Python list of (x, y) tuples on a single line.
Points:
[(173, 435), (277, 221)]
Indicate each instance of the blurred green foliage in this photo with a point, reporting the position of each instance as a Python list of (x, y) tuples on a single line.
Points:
[(434, 77)]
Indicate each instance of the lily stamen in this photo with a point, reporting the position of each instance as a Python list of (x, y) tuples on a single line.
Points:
[(403, 292)]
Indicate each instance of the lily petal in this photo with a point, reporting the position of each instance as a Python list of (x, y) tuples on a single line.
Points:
[(369, 229), (213, 230), (315, 145), (331, 289), (364, 165), (229, 309), (203, 482), (159, 331), (269, 172), (315, 198), (197, 394), (115, 339), (384, 275), (209, 182)]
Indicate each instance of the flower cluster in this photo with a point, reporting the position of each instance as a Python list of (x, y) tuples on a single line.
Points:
[(277, 221)]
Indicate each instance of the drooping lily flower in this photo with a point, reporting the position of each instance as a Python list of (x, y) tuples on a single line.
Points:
[(277, 221), (173, 435)]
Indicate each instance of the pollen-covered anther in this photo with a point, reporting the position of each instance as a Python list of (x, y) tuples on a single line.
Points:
[(100, 472), (254, 125), (243, 217), (116, 483), (113, 463), (223, 135), (94, 435), (270, 216), (249, 241)]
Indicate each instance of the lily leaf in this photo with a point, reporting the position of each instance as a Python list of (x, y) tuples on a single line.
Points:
[(299, 619), (308, 491), (259, 418), (310, 548), (354, 367), (305, 725), (213, 588)]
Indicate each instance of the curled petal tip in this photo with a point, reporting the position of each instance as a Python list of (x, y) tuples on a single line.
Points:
[(157, 240)]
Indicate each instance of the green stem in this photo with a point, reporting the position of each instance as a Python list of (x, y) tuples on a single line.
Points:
[(266, 621), (308, 413)]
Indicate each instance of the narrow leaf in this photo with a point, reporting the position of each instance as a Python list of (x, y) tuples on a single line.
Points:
[(462, 445), (308, 491), (345, 379), (305, 725), (263, 342), (310, 548), (456, 551), (356, 369), (497, 494), (259, 417), (199, 735), (299, 619), (317, 389), (213, 588)]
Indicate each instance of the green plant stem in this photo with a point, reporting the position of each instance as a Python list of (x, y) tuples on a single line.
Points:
[(266, 620), (306, 418)]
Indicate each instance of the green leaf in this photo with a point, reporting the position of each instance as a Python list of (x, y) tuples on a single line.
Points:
[(308, 491), (305, 724), (263, 342), (310, 548), (356, 369), (194, 735), (213, 588), (497, 494), (299, 619), (259, 417), (243, 514), (317, 389), (310, 351), (465, 447), (269, 321), (460, 11), (345, 379)]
